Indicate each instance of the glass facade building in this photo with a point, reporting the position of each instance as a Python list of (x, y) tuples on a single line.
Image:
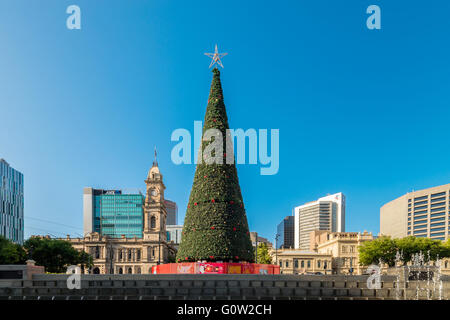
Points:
[(11, 203), (112, 213), (172, 212), (285, 232)]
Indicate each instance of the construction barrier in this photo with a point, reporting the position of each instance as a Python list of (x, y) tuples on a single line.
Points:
[(215, 268)]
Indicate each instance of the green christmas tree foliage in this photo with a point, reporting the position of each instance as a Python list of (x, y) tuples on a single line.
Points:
[(215, 226)]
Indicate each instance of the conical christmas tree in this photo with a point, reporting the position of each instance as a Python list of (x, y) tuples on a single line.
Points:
[(215, 226)]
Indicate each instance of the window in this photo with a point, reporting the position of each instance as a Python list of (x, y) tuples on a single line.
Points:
[(303, 264), (138, 255), (318, 263), (153, 222), (309, 264), (438, 194), (296, 263), (439, 204), (129, 254)]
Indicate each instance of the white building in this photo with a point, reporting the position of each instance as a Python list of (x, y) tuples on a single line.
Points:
[(326, 213)]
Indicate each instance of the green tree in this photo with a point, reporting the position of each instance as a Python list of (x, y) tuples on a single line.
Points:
[(382, 248), (263, 254), (385, 248), (11, 253), (55, 255), (85, 260), (215, 227)]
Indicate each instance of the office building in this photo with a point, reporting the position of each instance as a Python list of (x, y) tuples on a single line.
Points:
[(256, 239), (326, 213), (285, 233), (113, 255), (423, 213), (113, 213), (172, 212), (11, 203), (174, 233)]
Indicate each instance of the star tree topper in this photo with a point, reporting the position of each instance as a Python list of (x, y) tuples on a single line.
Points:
[(216, 57)]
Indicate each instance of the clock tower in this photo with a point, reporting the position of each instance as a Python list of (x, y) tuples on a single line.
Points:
[(154, 207)]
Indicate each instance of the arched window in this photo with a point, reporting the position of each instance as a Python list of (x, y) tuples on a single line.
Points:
[(130, 271), (120, 271), (96, 271), (129, 254), (152, 222), (138, 270)]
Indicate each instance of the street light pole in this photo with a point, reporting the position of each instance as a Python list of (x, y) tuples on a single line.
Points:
[(159, 247), (276, 248), (256, 256)]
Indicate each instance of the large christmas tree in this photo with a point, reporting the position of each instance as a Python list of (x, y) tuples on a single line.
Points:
[(215, 226)]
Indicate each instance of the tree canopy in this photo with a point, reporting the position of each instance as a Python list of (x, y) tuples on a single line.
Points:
[(263, 254), (11, 253), (55, 255), (385, 249)]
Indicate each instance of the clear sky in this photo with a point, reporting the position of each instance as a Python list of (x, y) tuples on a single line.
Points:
[(363, 112)]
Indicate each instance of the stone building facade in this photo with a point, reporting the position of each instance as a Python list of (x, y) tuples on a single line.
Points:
[(343, 247), (133, 255), (302, 262)]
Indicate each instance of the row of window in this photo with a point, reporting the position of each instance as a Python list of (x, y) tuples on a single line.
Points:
[(305, 264)]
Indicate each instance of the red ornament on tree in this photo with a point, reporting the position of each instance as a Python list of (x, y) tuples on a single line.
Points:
[(231, 202), (212, 228), (234, 229), (212, 200), (195, 203)]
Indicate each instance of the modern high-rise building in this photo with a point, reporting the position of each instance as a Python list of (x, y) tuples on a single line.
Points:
[(423, 213), (174, 233), (285, 232), (11, 203), (172, 212), (112, 213), (326, 213)]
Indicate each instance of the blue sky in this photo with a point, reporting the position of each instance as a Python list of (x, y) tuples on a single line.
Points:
[(363, 112)]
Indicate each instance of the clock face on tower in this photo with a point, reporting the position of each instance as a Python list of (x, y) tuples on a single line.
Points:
[(153, 192)]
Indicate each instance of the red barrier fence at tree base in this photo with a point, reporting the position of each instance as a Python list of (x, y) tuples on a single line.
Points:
[(215, 268)]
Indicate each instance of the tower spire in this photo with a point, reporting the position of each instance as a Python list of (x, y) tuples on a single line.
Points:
[(155, 162)]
